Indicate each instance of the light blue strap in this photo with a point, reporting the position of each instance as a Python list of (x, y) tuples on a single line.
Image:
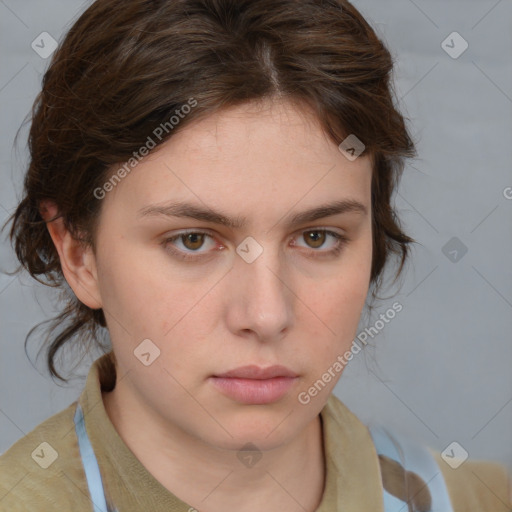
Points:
[(92, 470), (385, 446), (416, 458)]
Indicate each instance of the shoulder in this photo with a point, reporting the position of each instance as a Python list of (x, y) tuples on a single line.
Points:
[(477, 485), (472, 485), (425, 478), (43, 469)]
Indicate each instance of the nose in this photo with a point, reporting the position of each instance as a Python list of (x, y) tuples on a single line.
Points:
[(261, 300)]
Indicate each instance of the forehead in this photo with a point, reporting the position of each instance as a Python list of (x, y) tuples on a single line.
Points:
[(253, 156), (260, 129)]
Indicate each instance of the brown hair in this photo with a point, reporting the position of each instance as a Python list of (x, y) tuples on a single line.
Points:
[(126, 66)]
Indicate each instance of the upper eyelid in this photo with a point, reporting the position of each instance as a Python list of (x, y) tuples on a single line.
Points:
[(206, 231)]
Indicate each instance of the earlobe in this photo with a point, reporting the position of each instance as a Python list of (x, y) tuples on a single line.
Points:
[(78, 261)]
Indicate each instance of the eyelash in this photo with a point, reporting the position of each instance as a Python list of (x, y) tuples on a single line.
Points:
[(342, 240)]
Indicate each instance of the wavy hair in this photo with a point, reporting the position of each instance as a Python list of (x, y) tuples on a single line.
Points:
[(126, 66)]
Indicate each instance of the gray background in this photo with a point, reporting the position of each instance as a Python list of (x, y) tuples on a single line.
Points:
[(440, 370)]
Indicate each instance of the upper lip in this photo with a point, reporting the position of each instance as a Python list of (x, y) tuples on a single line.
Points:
[(259, 373)]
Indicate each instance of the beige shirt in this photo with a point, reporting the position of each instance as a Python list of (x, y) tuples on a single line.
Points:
[(43, 471)]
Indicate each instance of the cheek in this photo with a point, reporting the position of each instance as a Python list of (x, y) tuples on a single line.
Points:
[(142, 300), (344, 293), (336, 313), (338, 301), (133, 292)]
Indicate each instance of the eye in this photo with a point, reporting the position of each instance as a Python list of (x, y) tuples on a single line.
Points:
[(191, 241), (316, 238)]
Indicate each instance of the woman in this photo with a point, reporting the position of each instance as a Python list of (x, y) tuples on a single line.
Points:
[(212, 180)]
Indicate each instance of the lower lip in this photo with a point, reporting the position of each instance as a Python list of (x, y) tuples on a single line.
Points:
[(254, 391)]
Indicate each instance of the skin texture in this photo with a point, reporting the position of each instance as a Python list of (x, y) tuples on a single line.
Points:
[(262, 161)]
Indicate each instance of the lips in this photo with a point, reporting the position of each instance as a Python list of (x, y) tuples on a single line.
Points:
[(258, 373), (254, 385)]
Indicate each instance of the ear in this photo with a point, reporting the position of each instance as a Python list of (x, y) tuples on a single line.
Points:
[(78, 263)]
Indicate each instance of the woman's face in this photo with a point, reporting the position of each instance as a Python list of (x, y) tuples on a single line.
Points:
[(264, 289)]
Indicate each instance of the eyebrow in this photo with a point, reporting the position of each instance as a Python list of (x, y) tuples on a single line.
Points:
[(194, 211)]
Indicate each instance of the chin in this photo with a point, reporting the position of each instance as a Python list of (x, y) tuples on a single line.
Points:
[(266, 427)]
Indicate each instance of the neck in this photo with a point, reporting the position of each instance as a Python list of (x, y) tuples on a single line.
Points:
[(290, 477)]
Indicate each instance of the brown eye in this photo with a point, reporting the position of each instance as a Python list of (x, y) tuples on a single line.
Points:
[(191, 245), (193, 241), (315, 239)]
